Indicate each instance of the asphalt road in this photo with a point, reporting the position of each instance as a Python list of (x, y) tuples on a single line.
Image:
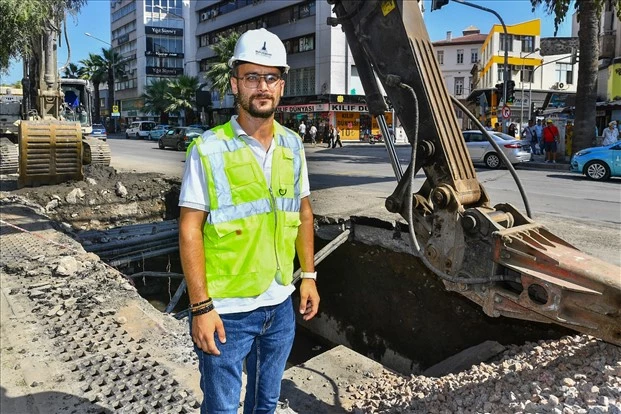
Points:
[(356, 179)]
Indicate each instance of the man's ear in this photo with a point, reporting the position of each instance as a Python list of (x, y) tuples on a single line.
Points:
[(234, 85)]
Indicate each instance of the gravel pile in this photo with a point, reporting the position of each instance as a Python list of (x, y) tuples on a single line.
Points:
[(576, 374)]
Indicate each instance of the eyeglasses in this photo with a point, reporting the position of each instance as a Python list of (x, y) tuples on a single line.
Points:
[(252, 80)]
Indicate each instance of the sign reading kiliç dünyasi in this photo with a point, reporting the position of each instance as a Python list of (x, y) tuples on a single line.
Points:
[(349, 107), (323, 108), (167, 31)]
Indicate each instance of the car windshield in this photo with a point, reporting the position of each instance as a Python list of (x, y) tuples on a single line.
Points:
[(196, 131), (98, 126)]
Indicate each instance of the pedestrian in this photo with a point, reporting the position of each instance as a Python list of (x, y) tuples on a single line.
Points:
[(331, 136), (313, 134), (539, 132), (302, 130), (528, 135), (550, 140), (497, 127), (240, 225), (488, 125), (337, 138), (512, 130), (611, 134)]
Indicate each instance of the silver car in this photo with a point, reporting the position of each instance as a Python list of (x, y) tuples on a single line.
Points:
[(482, 152)]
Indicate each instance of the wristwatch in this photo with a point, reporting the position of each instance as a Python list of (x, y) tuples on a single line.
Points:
[(309, 275)]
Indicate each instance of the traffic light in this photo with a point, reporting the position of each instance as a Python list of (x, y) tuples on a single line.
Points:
[(499, 90), (437, 4), (510, 91)]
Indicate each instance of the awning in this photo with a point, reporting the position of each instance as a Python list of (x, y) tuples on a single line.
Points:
[(474, 95)]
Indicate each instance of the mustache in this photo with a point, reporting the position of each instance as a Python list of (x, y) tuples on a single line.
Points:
[(262, 96)]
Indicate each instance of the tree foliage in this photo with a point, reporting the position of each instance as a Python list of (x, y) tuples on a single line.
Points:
[(182, 96), (95, 71), (560, 8), (155, 99), (219, 74), (23, 21), (73, 71)]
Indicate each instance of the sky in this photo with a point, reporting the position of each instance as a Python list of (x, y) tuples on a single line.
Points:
[(455, 17)]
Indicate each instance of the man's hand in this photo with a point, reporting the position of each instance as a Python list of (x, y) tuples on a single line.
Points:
[(203, 328), (309, 299)]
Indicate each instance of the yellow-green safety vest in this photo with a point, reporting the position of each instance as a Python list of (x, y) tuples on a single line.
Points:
[(249, 235)]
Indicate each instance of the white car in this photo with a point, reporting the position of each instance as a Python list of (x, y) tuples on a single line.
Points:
[(139, 129), (482, 152)]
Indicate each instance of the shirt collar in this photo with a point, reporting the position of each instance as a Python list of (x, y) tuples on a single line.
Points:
[(250, 141)]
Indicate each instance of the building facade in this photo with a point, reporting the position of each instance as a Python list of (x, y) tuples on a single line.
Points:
[(456, 57)]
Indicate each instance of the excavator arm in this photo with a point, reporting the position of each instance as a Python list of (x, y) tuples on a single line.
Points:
[(495, 255)]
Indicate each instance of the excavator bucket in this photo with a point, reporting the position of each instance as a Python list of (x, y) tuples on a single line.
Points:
[(96, 152), (50, 152)]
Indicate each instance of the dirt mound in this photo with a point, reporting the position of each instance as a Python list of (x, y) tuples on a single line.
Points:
[(105, 198)]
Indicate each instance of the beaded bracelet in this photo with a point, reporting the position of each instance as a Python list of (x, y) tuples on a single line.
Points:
[(196, 305), (204, 310)]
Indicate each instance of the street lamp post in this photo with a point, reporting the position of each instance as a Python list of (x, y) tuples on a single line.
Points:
[(530, 80), (110, 77)]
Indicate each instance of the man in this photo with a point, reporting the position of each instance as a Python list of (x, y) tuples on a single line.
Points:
[(611, 134), (528, 135), (539, 132), (244, 212), (302, 130), (313, 134), (550, 140)]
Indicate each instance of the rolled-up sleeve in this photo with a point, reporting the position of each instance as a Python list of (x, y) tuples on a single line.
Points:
[(193, 192)]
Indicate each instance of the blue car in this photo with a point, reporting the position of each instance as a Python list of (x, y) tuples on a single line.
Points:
[(598, 163), (99, 132), (156, 133)]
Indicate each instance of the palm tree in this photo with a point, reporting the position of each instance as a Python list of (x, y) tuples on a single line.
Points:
[(115, 68), (182, 95), (219, 74), (155, 100), (589, 13), (73, 71), (95, 71)]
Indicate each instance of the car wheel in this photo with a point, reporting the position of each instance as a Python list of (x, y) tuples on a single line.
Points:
[(597, 170), (160, 144), (150, 137), (137, 135), (180, 146), (126, 136), (492, 160)]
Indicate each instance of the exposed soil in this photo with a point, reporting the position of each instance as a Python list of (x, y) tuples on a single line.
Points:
[(105, 198)]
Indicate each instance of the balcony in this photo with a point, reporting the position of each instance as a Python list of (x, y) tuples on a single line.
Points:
[(607, 45)]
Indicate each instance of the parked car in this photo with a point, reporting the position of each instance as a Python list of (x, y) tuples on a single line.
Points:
[(157, 132), (482, 152), (99, 131), (139, 129), (598, 163), (179, 137), (203, 127)]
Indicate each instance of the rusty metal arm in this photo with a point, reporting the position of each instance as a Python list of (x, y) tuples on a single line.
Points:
[(495, 256)]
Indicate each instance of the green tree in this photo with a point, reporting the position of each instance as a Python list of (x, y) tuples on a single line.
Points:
[(219, 74), (73, 71), (22, 22), (155, 99), (115, 69), (182, 96), (589, 13), (95, 71)]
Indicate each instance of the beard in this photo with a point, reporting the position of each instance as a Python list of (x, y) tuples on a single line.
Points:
[(248, 104)]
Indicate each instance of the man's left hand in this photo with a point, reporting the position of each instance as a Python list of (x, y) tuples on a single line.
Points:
[(309, 299)]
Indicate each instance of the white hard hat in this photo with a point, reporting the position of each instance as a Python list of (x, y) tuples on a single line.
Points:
[(261, 47)]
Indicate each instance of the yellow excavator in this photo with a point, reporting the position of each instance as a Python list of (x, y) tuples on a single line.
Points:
[(52, 142)]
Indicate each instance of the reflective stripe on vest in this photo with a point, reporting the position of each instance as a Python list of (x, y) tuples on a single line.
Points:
[(249, 234)]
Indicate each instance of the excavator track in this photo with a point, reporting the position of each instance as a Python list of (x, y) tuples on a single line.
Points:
[(9, 156), (95, 151)]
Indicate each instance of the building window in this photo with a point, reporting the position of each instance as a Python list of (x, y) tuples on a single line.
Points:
[(474, 55), (300, 44), (123, 11), (460, 56), (527, 73), (459, 86), (300, 82), (564, 73), (440, 55), (501, 73), (528, 43), (502, 42)]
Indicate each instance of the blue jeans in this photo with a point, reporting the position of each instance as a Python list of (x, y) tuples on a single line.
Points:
[(263, 339)]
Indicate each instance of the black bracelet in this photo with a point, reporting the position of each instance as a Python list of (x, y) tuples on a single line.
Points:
[(204, 310), (196, 305)]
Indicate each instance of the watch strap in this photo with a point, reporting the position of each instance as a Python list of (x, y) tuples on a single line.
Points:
[(309, 275)]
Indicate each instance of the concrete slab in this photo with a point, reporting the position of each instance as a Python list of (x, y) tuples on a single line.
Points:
[(329, 382)]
